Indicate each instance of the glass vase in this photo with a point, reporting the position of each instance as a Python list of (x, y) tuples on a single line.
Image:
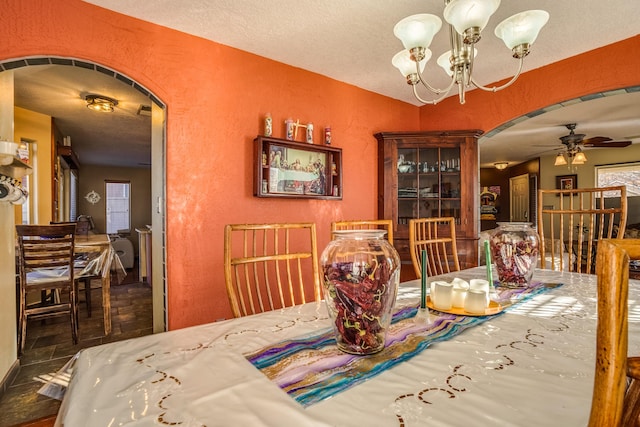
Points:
[(514, 250), (361, 272)]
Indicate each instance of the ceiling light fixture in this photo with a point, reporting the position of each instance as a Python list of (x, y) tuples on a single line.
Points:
[(573, 156), (100, 103), (501, 165), (466, 19)]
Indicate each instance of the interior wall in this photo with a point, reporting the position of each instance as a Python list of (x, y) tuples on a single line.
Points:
[(9, 352), (93, 179), (37, 127), (564, 80), (216, 97)]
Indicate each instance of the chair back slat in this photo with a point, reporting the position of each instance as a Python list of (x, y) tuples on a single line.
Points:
[(613, 403), (368, 224), (270, 266), (436, 236), (577, 220)]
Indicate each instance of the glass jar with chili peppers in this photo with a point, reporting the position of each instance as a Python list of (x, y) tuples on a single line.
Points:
[(514, 250), (361, 271)]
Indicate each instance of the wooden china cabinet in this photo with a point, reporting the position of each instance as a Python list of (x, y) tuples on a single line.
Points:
[(430, 174)]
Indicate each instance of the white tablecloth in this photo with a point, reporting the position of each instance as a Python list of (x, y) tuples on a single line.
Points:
[(532, 366)]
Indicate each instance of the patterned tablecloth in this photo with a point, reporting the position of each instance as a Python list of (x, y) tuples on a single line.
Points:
[(530, 366)]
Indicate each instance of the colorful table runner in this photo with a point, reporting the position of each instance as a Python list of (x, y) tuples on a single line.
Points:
[(310, 368)]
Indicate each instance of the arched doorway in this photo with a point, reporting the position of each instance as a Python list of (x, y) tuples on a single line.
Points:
[(157, 137)]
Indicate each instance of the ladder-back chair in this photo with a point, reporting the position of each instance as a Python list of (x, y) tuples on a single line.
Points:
[(270, 266), (438, 237), (46, 260), (614, 402), (370, 224), (571, 227)]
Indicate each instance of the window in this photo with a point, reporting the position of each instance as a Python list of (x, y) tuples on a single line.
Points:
[(118, 206), (621, 174)]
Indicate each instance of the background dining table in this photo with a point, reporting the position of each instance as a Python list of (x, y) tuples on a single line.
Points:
[(101, 266), (529, 366)]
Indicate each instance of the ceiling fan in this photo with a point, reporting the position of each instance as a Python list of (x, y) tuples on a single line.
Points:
[(574, 142), (574, 139)]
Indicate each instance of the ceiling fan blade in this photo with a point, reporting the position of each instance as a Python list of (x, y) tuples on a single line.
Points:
[(608, 144), (595, 140)]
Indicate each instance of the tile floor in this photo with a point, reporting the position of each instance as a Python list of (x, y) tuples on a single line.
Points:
[(49, 345)]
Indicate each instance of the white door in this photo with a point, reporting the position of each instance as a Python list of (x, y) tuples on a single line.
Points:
[(519, 199)]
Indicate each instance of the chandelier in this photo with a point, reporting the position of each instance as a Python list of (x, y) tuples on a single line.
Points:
[(466, 19)]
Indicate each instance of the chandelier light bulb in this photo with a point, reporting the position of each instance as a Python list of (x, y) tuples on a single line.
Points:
[(407, 66), (417, 30), (470, 14), (522, 28)]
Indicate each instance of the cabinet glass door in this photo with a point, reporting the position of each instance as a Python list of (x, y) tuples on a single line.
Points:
[(428, 183)]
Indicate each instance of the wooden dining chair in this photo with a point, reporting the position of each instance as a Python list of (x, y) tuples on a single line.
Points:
[(437, 236), (571, 224), (614, 402), (46, 261), (80, 259), (270, 266), (370, 224)]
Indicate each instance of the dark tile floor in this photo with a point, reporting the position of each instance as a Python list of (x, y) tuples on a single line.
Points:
[(49, 346)]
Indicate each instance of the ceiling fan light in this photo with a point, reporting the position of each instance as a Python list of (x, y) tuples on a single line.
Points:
[(465, 14), (579, 158), (407, 66), (560, 160), (522, 28), (417, 30)]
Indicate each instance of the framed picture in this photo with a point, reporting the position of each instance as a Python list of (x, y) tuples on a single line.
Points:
[(566, 182)]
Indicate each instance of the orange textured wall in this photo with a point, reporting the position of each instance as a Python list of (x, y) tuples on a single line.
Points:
[(607, 68), (215, 98)]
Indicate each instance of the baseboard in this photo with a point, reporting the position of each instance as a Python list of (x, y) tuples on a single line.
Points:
[(9, 377)]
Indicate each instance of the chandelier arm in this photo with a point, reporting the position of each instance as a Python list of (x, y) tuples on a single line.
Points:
[(504, 86), (435, 90), (434, 101)]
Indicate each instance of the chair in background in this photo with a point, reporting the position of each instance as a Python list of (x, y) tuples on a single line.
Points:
[(438, 237), (373, 224), (270, 266), (46, 259), (614, 402), (572, 227), (82, 229)]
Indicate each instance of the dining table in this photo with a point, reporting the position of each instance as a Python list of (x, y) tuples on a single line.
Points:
[(95, 257), (529, 364)]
